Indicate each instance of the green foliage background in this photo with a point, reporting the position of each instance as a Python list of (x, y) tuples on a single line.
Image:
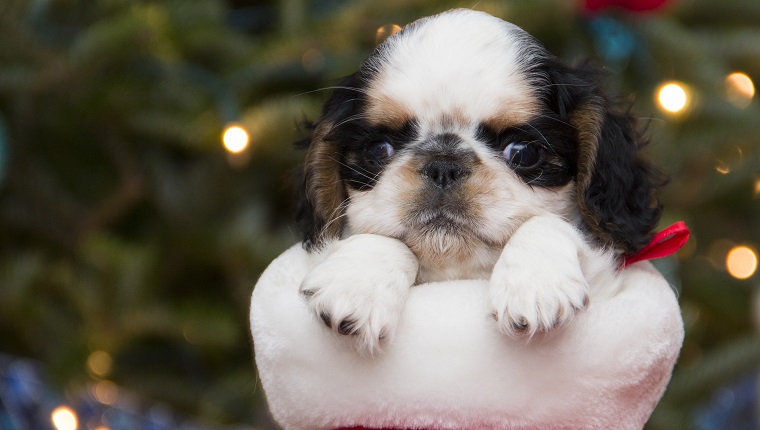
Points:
[(126, 228)]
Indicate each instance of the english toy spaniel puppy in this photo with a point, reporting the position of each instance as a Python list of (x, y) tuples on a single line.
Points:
[(462, 149)]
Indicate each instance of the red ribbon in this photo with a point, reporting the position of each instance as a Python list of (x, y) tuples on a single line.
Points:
[(664, 243)]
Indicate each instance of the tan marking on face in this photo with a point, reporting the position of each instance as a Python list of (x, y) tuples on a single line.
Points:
[(324, 187), (513, 114), (587, 120), (409, 176), (479, 188), (382, 110)]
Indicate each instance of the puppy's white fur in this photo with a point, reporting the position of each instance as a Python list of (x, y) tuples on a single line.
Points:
[(441, 72), (446, 64)]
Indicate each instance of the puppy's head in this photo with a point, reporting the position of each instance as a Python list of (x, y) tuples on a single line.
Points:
[(459, 128)]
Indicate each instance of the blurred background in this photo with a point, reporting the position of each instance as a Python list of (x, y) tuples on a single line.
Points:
[(145, 165)]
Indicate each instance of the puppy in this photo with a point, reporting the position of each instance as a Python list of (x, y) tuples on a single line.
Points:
[(462, 149)]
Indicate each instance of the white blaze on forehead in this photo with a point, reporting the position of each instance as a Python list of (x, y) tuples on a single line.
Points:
[(461, 65)]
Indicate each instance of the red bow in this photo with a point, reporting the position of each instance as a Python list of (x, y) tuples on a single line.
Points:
[(664, 243)]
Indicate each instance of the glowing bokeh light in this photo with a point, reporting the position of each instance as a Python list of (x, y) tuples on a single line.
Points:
[(741, 262), (106, 392), (740, 89), (385, 32), (64, 418), (99, 363), (235, 138), (757, 188), (722, 167), (673, 97)]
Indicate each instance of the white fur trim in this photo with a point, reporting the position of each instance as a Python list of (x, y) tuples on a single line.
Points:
[(449, 367)]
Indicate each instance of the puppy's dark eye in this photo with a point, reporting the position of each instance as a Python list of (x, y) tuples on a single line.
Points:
[(380, 153), (523, 154)]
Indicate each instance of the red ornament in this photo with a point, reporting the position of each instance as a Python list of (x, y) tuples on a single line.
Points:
[(629, 5)]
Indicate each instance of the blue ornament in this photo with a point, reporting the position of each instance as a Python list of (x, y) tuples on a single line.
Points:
[(614, 41)]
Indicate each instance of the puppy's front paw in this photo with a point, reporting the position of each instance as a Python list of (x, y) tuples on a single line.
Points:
[(537, 285), (526, 303), (360, 289)]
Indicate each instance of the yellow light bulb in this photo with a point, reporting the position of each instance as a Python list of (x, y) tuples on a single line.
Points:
[(235, 138), (106, 392), (739, 89), (64, 418), (99, 363), (741, 262), (722, 167), (673, 97)]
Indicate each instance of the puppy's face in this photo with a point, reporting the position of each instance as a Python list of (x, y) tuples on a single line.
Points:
[(458, 129)]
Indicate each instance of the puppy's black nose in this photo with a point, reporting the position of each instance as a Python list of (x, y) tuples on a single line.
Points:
[(444, 173)]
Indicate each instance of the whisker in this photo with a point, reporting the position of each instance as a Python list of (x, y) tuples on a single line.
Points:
[(338, 213), (354, 117), (351, 118), (541, 173), (570, 85), (335, 87), (548, 145), (557, 120), (364, 173)]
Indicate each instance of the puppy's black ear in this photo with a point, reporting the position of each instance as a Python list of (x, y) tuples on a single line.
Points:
[(321, 192), (616, 185)]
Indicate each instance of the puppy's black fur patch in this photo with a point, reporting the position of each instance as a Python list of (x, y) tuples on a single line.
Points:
[(617, 185)]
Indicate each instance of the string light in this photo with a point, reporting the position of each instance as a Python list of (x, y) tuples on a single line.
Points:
[(64, 418), (106, 392), (235, 138), (722, 167), (739, 89), (741, 262), (385, 32), (99, 363), (673, 97)]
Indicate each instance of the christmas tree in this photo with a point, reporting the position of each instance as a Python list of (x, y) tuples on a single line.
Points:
[(145, 183)]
